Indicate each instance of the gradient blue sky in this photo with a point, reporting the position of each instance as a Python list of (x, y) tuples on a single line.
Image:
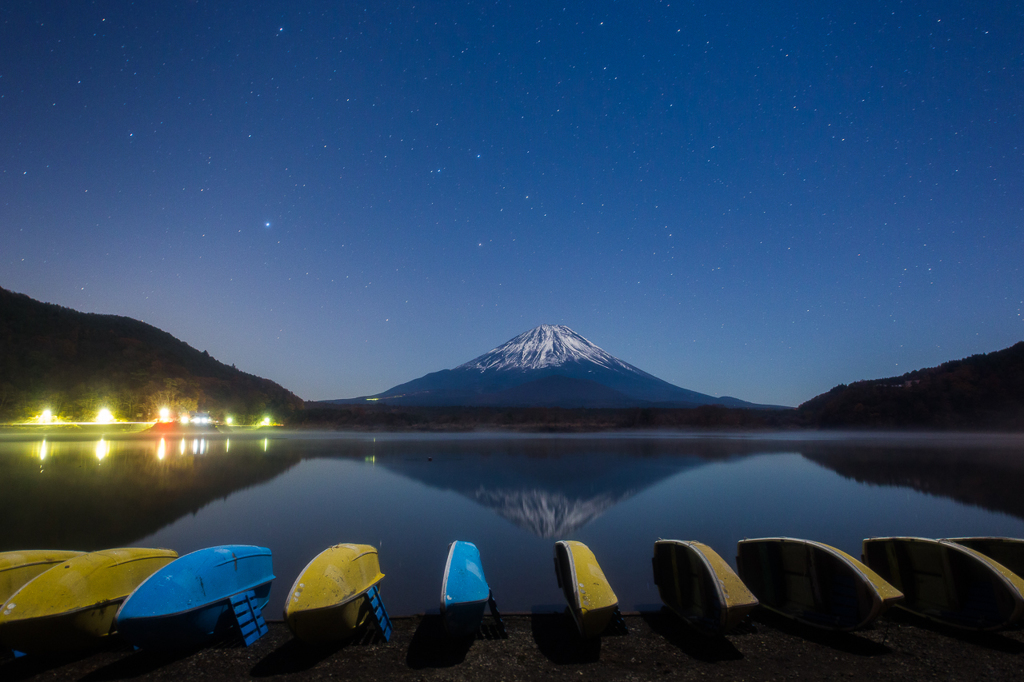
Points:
[(752, 199)]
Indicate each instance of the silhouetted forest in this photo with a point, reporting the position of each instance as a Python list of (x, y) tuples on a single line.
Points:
[(979, 392), (74, 363)]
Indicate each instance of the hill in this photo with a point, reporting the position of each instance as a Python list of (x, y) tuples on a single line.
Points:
[(74, 363), (979, 392)]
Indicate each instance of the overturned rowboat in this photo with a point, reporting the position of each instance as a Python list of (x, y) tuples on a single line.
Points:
[(591, 600), (465, 592), (17, 568), (200, 595), (72, 605), (948, 582), (700, 587), (813, 583), (335, 594)]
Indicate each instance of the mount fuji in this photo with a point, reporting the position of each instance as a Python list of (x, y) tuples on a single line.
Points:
[(548, 366)]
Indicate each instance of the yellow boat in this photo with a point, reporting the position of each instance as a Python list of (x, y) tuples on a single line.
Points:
[(948, 582), (700, 587), (591, 599), (329, 598), (73, 604), (17, 568), (814, 583)]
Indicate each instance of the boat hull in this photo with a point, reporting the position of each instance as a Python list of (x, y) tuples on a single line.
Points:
[(17, 568), (700, 587), (948, 582), (328, 600), (813, 583), (464, 590), (188, 602), (73, 605), (591, 599)]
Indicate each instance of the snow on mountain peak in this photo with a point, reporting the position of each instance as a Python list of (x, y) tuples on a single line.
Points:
[(544, 346)]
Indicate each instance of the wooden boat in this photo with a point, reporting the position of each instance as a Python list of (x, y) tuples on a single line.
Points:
[(591, 600), (948, 582), (73, 604), (700, 587), (329, 599), (201, 594), (1007, 551), (17, 568), (813, 583), (464, 590)]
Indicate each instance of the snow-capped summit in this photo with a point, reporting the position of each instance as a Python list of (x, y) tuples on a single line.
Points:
[(544, 346), (550, 366)]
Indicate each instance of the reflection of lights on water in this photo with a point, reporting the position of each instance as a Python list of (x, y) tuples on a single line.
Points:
[(372, 459), (227, 445), (199, 446), (161, 449), (102, 449), (104, 417), (265, 441), (42, 450), (182, 449)]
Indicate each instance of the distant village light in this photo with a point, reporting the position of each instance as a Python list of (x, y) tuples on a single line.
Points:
[(184, 419), (46, 417), (230, 420), (104, 417), (165, 414)]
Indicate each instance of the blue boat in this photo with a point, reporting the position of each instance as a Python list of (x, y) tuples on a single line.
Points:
[(200, 595), (464, 591)]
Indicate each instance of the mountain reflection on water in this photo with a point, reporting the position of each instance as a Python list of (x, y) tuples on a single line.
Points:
[(411, 495)]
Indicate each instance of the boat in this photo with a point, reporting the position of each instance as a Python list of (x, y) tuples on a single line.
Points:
[(200, 595), (700, 587), (948, 582), (464, 590), (1007, 551), (17, 568), (592, 602), (330, 599), (72, 605), (813, 583)]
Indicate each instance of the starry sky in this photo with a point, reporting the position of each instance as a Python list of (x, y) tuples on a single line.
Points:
[(753, 199)]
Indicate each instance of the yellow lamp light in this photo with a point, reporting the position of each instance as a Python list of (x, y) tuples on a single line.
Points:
[(104, 416)]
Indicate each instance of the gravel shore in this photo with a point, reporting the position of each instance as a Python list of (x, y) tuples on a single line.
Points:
[(546, 647)]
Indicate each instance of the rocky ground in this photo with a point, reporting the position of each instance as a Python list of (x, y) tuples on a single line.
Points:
[(546, 647)]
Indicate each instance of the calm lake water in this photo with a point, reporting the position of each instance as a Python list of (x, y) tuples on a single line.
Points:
[(513, 496)]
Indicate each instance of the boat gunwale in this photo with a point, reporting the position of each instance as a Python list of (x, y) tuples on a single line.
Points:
[(577, 606)]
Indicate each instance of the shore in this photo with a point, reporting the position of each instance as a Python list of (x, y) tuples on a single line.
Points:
[(657, 645)]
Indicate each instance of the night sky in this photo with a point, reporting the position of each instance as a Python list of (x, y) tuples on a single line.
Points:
[(753, 199)]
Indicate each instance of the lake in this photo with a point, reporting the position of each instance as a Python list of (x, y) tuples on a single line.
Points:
[(513, 496)]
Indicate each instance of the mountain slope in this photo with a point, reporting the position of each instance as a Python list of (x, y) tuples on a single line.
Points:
[(75, 362), (535, 367), (982, 391)]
